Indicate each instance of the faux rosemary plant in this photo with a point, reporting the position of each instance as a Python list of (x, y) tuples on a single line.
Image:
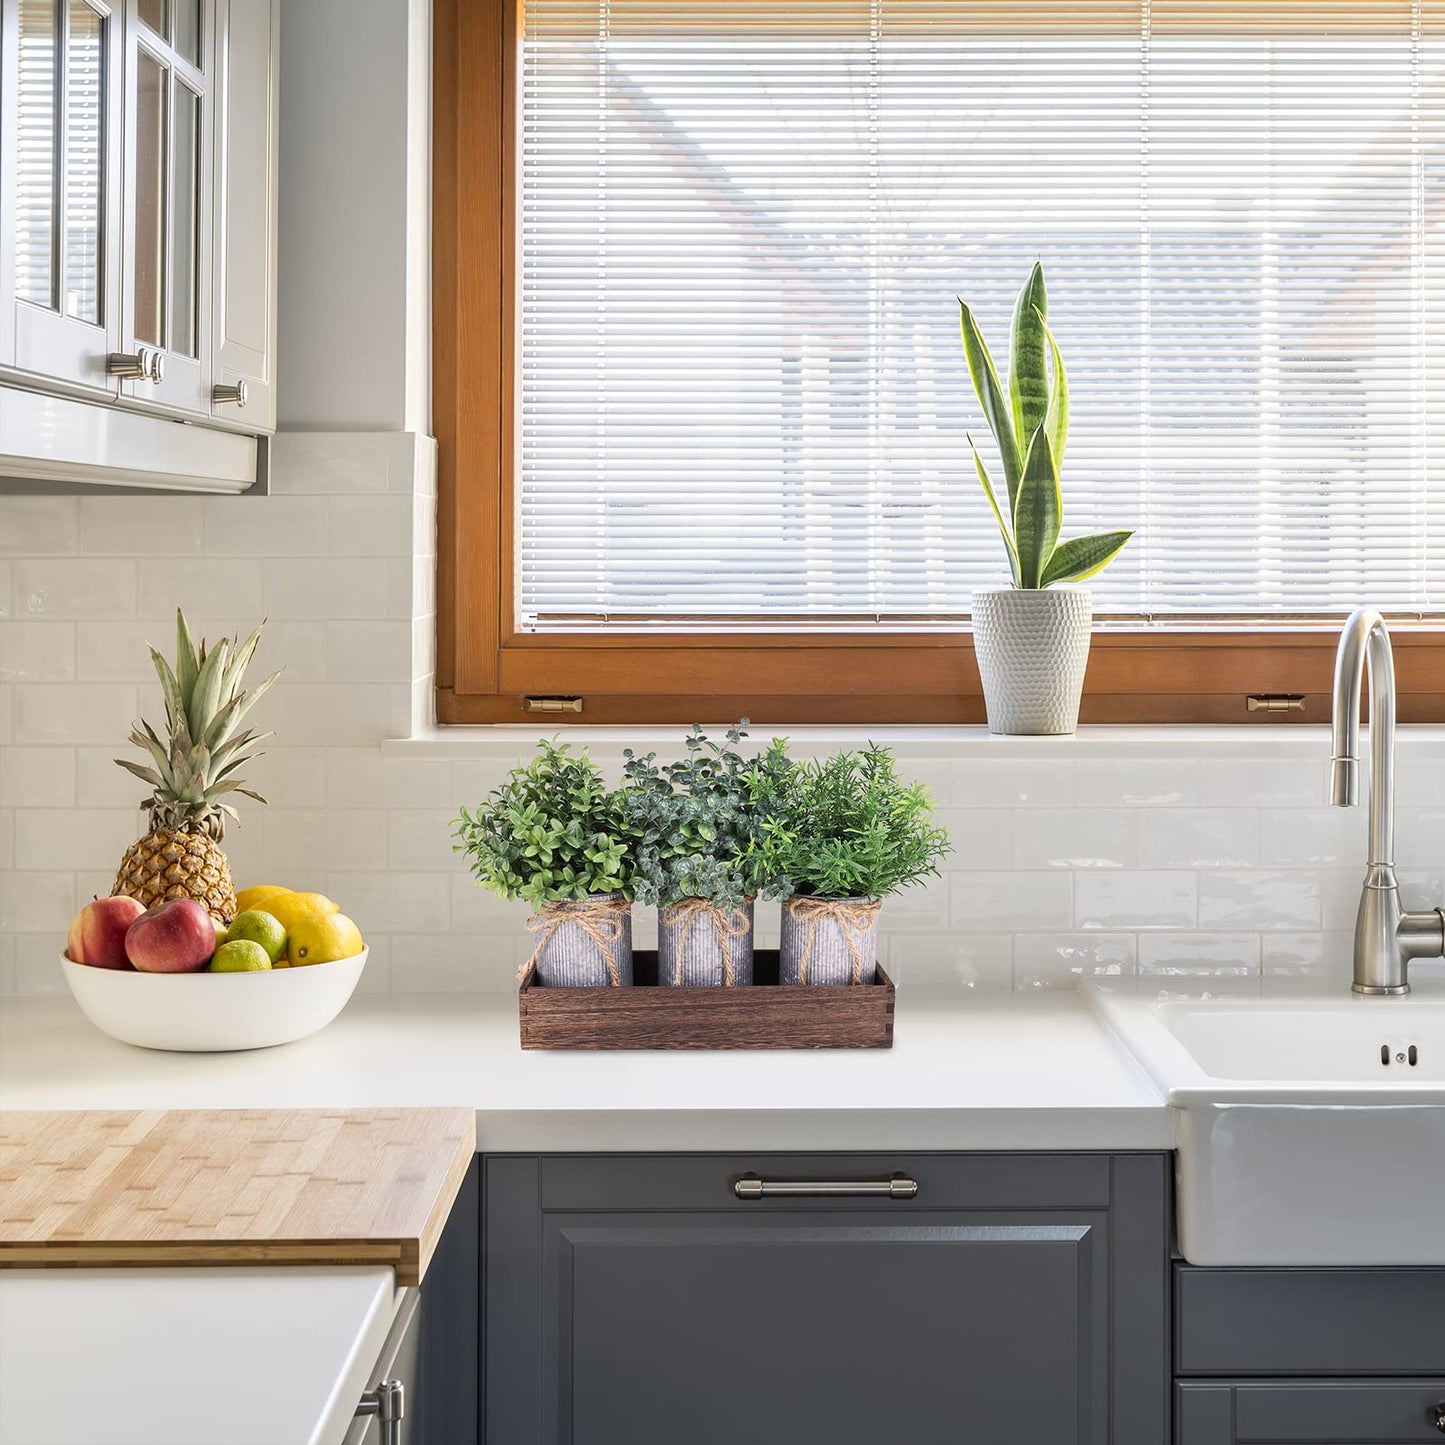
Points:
[(845, 826), (1030, 424), (552, 832)]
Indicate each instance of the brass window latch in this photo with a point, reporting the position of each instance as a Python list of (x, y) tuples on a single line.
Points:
[(1275, 702), (552, 704)]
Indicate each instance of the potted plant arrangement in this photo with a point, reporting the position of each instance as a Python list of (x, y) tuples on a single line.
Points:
[(837, 836), (1032, 638), (554, 834), (692, 821)]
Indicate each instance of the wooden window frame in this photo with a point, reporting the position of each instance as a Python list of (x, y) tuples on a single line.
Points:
[(487, 667)]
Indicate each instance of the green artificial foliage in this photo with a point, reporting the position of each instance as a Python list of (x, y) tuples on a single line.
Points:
[(1030, 424), (845, 826), (553, 831), (692, 822)]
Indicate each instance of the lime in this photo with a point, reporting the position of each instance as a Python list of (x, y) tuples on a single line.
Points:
[(240, 956), (261, 927)]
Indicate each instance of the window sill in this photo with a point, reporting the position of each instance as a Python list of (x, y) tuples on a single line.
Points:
[(1152, 740)]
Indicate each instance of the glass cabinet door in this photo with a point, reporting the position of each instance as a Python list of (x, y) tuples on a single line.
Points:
[(168, 173), (61, 189)]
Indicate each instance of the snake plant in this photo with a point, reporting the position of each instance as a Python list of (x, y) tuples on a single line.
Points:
[(1030, 423)]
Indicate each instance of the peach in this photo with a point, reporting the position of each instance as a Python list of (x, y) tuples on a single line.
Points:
[(97, 932), (173, 937)]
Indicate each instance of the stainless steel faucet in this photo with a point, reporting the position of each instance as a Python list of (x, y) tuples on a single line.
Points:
[(1387, 936)]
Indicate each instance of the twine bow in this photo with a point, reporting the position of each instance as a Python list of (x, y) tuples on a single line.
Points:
[(599, 918), (854, 917), (730, 925)]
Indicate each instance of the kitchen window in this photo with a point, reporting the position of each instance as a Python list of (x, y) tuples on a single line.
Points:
[(700, 393)]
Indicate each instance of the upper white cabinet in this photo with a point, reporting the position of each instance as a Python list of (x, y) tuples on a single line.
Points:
[(166, 216), (61, 253), (243, 315), (137, 240)]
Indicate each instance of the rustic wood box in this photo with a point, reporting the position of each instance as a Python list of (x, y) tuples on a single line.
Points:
[(762, 1015)]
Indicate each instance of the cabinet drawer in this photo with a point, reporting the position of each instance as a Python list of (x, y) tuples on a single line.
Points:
[(1309, 1322), (1323, 1412), (400, 1361), (1014, 1299), (705, 1181)]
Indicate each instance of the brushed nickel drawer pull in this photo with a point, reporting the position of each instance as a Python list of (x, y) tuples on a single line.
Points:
[(898, 1186), (387, 1402)]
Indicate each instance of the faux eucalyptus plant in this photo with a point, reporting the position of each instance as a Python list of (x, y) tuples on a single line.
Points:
[(692, 821), (552, 832), (845, 826), (1030, 424)]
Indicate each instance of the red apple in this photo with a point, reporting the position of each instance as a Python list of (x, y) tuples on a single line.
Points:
[(97, 932), (174, 937)]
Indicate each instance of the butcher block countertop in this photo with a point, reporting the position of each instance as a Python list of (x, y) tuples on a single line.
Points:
[(231, 1186)]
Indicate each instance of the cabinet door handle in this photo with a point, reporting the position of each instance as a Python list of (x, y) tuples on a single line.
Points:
[(897, 1186), (236, 394), (133, 365), (1439, 1412), (388, 1403), (156, 367)]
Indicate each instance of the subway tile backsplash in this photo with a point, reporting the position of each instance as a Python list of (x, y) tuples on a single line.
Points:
[(1151, 851)]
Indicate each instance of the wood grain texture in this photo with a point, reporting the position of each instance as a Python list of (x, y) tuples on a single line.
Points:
[(1147, 675), (764, 1015), (487, 664), (231, 1186)]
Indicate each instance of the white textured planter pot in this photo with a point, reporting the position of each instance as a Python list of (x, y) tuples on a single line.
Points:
[(1032, 648)]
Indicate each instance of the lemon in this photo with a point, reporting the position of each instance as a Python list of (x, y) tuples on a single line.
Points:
[(240, 956), (289, 909), (323, 938), (260, 927), (249, 898)]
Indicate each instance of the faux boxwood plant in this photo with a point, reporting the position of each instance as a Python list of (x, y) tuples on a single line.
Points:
[(1030, 424), (693, 821), (845, 826), (552, 832)]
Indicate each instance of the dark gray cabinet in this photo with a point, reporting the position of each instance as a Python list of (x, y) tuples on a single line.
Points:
[(443, 1407), (1317, 1412), (637, 1300), (1309, 1356)]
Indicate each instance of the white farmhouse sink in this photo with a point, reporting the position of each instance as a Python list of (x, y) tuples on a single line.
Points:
[(1311, 1125)]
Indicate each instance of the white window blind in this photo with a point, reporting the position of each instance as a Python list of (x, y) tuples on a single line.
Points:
[(743, 226)]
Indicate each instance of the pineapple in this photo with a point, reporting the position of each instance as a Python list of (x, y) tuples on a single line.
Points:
[(180, 855)]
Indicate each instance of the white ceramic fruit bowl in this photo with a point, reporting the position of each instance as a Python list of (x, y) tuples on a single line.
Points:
[(213, 1012)]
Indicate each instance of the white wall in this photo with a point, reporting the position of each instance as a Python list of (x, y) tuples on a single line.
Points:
[(1156, 851)]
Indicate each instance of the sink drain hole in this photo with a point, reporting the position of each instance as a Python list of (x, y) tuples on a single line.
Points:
[(1409, 1056)]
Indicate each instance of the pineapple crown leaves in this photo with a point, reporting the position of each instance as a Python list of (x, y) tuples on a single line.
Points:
[(1030, 424), (551, 832), (205, 705)]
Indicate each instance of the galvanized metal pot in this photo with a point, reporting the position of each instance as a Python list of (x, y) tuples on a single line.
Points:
[(584, 944), (829, 940), (700, 945), (1032, 647)]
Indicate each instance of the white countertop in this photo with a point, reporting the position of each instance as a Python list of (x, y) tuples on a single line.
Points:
[(967, 1071), (182, 1356)]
